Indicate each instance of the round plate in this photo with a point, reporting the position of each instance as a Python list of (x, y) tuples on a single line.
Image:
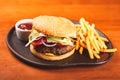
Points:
[(18, 48)]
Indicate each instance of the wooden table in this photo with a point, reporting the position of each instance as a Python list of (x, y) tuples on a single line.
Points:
[(105, 14)]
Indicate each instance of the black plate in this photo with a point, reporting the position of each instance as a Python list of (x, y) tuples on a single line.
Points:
[(18, 48)]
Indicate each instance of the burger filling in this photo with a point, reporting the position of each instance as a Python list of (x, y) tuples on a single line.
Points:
[(50, 44)]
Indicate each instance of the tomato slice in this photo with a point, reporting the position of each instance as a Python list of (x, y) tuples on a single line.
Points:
[(60, 45), (39, 41), (43, 40)]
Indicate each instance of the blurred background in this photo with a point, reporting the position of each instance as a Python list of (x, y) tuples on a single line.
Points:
[(105, 14), (100, 12), (72, 9)]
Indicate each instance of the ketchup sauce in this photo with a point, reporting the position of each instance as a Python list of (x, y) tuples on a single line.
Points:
[(25, 26)]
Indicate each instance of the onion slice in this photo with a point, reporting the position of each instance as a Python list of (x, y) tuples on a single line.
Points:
[(48, 45)]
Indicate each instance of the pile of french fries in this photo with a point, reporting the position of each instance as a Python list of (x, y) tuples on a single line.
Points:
[(87, 37)]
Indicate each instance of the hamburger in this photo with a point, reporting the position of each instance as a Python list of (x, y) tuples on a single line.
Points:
[(50, 38)]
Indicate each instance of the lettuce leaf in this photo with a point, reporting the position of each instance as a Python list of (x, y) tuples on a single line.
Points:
[(63, 40), (34, 34)]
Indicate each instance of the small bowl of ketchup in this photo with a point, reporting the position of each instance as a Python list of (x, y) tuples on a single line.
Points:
[(23, 29)]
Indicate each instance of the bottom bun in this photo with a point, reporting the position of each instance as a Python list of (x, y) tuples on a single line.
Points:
[(46, 57)]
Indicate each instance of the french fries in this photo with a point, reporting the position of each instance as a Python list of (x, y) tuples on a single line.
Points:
[(87, 37), (81, 50)]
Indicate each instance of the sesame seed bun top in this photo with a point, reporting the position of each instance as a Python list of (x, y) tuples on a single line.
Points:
[(54, 26)]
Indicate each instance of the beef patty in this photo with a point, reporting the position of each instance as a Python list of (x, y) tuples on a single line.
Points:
[(56, 50)]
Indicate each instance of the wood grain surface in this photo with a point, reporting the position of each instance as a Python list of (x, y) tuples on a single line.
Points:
[(105, 14)]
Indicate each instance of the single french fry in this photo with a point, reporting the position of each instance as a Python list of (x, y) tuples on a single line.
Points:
[(73, 40), (96, 43), (104, 39), (109, 50), (96, 55), (89, 48), (77, 43), (82, 26), (81, 50), (81, 36)]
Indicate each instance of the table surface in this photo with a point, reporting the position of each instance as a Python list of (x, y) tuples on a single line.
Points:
[(104, 14)]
